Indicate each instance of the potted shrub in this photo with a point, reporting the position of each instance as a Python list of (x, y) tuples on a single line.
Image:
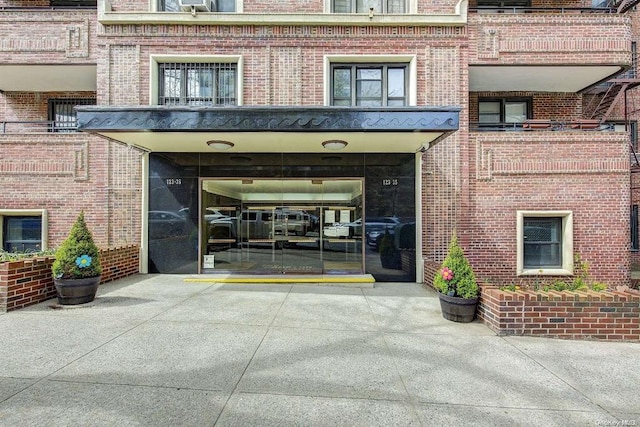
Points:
[(456, 285), (389, 254), (76, 270)]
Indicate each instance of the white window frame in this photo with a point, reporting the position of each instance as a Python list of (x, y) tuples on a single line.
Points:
[(410, 60), (42, 213), (567, 244), (412, 7), (156, 60)]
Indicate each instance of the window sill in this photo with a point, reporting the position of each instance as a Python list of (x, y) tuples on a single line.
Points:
[(545, 272)]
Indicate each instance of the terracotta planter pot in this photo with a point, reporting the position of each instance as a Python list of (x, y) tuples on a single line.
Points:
[(458, 309), (76, 291)]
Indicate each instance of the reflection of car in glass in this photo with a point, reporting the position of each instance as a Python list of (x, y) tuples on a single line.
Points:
[(215, 215), (258, 224), (337, 230), (165, 223), (343, 229), (222, 235), (375, 228)]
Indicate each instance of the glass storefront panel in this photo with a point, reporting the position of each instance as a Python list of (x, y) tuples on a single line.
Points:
[(270, 213), (273, 226)]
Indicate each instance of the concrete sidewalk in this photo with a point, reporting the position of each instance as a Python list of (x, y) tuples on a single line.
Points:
[(152, 350)]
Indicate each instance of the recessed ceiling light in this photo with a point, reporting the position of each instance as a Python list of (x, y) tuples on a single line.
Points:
[(334, 144), (219, 144)]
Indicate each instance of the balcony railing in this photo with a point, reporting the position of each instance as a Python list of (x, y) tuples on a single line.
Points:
[(523, 9), (539, 125), (45, 8), (14, 127)]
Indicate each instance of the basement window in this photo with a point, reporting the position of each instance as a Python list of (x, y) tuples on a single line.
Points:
[(23, 230), (544, 243)]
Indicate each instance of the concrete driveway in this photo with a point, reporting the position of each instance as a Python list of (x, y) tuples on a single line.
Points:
[(152, 350)]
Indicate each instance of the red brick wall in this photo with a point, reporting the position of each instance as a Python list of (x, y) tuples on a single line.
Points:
[(47, 36), (579, 171), (611, 316), (27, 282), (543, 38), (289, 72), (65, 173), (635, 200)]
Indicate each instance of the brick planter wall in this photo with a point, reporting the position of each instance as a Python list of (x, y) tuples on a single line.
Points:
[(28, 281), (611, 316)]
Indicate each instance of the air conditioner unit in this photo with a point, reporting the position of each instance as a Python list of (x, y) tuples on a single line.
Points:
[(199, 5)]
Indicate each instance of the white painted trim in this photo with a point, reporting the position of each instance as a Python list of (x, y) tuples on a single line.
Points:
[(567, 244), (410, 59), (42, 213)]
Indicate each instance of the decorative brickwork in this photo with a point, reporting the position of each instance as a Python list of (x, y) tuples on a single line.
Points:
[(27, 282), (563, 38), (51, 36), (610, 316)]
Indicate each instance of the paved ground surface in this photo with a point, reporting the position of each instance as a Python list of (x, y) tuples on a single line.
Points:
[(156, 351)]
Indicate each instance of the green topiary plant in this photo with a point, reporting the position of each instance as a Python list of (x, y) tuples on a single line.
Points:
[(456, 278), (78, 257)]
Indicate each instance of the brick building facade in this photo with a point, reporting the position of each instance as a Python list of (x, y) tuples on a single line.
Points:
[(455, 117)]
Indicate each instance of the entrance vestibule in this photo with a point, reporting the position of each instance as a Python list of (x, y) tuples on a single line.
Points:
[(281, 213), (272, 226)]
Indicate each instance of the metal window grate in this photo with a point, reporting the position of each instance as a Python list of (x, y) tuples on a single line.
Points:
[(62, 113), (213, 5), (364, 6), (198, 84)]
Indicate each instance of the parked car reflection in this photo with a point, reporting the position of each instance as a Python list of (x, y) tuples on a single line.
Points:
[(165, 224)]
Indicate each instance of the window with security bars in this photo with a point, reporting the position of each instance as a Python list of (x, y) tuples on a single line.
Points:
[(365, 6), (73, 3), (503, 6), (542, 239), (370, 85), (197, 84), (62, 114), (214, 6)]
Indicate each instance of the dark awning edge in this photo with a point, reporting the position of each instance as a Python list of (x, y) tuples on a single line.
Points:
[(94, 119)]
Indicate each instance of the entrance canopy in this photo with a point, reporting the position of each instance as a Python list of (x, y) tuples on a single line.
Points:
[(271, 129)]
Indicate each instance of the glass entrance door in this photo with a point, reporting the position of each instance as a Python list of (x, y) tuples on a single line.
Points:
[(275, 226)]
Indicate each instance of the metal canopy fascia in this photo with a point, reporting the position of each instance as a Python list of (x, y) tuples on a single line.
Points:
[(271, 129)]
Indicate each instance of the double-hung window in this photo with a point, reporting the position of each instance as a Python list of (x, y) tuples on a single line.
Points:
[(365, 6), (369, 85), (503, 112), (213, 5), (198, 84), (62, 114)]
